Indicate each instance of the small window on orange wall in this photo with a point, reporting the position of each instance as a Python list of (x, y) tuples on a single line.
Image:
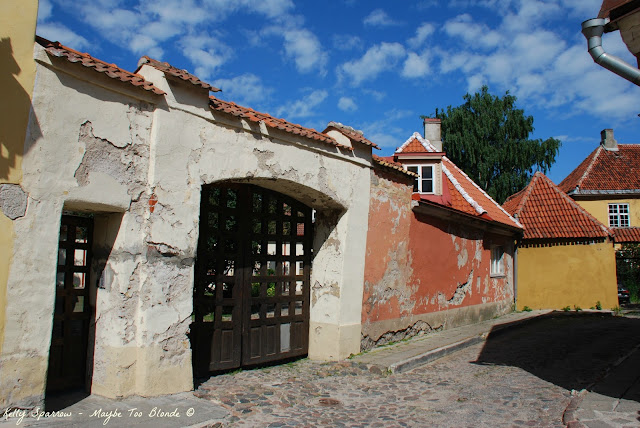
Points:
[(497, 260)]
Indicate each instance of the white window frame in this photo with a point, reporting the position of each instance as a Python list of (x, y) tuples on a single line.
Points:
[(420, 181), (619, 215), (497, 260)]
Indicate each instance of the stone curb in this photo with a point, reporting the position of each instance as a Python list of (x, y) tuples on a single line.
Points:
[(434, 354)]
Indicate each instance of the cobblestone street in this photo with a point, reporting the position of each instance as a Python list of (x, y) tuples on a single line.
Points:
[(452, 391), (523, 377)]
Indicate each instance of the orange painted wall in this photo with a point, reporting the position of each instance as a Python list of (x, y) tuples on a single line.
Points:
[(417, 264)]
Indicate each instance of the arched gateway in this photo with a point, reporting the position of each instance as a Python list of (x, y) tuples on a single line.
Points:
[(252, 275)]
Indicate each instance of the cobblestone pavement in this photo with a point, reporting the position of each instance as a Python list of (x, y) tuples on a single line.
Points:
[(452, 391), (525, 376)]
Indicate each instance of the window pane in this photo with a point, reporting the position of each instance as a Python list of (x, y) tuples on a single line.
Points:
[(427, 172), (427, 186)]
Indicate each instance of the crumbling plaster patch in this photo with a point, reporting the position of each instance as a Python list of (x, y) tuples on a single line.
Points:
[(13, 201), (417, 329)]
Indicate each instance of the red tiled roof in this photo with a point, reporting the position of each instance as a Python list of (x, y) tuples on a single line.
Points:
[(415, 144), (626, 234), (605, 171), (468, 197), (388, 162), (234, 109), (167, 68), (608, 5), (110, 70), (548, 213), (350, 133)]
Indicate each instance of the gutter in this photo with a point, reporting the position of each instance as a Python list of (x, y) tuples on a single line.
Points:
[(593, 30)]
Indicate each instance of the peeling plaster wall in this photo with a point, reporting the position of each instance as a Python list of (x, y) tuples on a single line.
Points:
[(117, 152), (423, 273)]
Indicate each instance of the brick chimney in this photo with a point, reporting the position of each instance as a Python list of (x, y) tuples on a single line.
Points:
[(432, 132), (607, 141)]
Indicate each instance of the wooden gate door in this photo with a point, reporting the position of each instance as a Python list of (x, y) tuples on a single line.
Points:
[(72, 313), (251, 292)]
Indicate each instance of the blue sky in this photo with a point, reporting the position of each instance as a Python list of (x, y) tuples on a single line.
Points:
[(374, 65)]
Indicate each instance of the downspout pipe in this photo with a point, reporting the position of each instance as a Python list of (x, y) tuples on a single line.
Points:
[(593, 30)]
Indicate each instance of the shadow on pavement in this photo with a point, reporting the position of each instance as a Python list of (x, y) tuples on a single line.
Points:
[(571, 350)]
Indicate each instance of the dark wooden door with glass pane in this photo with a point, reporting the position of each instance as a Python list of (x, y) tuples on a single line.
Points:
[(251, 293), (72, 312)]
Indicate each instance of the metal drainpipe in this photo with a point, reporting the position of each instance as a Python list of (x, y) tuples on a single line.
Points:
[(592, 30)]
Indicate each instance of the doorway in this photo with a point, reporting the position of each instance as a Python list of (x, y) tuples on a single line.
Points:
[(252, 278)]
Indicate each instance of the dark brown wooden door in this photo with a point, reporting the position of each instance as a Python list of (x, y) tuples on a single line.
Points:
[(251, 294), (72, 312)]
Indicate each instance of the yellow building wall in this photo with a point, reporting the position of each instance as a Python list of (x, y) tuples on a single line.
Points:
[(600, 209), (17, 76), (567, 275)]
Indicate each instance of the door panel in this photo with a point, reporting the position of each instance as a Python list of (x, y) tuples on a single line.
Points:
[(251, 294)]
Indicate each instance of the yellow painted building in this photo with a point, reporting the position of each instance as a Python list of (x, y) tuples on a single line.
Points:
[(607, 185), (566, 256), (17, 75)]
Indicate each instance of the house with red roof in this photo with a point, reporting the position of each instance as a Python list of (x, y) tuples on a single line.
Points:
[(440, 251), (607, 185), (566, 255)]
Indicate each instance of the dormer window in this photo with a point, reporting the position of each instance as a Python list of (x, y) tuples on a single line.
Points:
[(424, 182)]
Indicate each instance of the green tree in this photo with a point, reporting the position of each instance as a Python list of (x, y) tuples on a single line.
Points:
[(488, 138)]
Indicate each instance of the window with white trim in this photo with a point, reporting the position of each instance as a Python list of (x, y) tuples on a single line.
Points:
[(497, 260), (619, 215), (424, 183)]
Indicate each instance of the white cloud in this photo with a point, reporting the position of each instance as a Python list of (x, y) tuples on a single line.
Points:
[(269, 8), (303, 107), (347, 104), (205, 53), (59, 33), (423, 31), (379, 18), (416, 65), (384, 130), (377, 95), (306, 51), (246, 88), (345, 42), (479, 35), (44, 10), (377, 59)]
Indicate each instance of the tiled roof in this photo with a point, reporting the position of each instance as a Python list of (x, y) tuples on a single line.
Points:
[(352, 134), (626, 234), (388, 162), (608, 5), (605, 171), (468, 197), (548, 213), (416, 144), (86, 60), (167, 68), (234, 109)]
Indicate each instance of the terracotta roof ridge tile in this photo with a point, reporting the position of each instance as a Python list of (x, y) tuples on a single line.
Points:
[(182, 74), (351, 133), (473, 183), (476, 206), (229, 107), (527, 193), (393, 165), (575, 204), (111, 70), (589, 167), (416, 136)]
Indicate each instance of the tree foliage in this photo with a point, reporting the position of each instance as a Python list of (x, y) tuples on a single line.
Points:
[(488, 138)]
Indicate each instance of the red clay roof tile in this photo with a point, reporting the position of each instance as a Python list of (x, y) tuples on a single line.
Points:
[(605, 171), (352, 134), (548, 213), (626, 234), (167, 68), (110, 70), (234, 109), (387, 162)]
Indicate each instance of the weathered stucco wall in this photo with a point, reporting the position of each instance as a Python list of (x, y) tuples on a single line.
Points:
[(426, 273), (554, 277), (17, 74), (109, 148), (600, 209)]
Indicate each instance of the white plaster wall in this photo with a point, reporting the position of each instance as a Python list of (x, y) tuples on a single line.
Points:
[(99, 145)]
